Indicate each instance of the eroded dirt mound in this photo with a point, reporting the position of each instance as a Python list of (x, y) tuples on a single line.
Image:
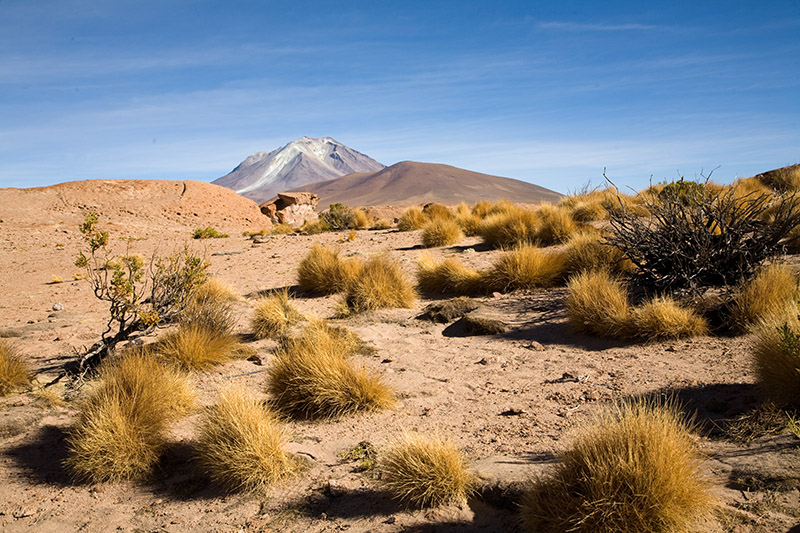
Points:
[(144, 203)]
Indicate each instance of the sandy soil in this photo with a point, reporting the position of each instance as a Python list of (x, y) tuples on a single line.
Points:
[(507, 400)]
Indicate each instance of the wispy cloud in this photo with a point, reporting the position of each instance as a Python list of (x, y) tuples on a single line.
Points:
[(583, 26)]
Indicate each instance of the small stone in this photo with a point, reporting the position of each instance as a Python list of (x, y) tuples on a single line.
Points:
[(535, 346), (58, 306), (496, 294), (513, 411), (390, 520), (335, 488)]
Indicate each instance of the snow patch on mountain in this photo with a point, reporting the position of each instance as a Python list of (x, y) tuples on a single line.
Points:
[(300, 162)]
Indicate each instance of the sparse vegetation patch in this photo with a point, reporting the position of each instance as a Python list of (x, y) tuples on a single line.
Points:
[(14, 372), (635, 469), (241, 443), (426, 471)]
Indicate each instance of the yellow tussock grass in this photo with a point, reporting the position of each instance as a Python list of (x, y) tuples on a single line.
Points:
[(241, 443), (614, 201), (481, 209), (526, 267), (14, 372), (663, 318), (360, 220), (122, 425), (282, 229), (598, 303), (313, 376), (211, 307), (437, 212), (194, 347), (509, 229), (776, 358), (468, 221), (502, 207), (772, 292), (273, 315), (555, 226), (589, 211), (380, 284), (215, 289), (426, 471), (634, 469), (586, 251), (449, 276), (441, 232), (323, 271), (786, 179), (411, 219)]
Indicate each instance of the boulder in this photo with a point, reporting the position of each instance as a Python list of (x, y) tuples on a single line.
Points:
[(293, 208)]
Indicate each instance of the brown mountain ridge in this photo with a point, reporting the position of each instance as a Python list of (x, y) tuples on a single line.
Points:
[(411, 183)]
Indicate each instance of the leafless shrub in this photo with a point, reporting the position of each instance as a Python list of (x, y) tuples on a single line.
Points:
[(696, 237)]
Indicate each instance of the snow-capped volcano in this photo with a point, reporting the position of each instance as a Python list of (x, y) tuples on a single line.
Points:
[(262, 175)]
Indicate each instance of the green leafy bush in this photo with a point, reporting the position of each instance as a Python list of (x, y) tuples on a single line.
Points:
[(140, 296)]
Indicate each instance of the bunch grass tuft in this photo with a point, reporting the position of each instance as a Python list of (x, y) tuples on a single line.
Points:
[(426, 471), (634, 469), (121, 430), (14, 372), (241, 443)]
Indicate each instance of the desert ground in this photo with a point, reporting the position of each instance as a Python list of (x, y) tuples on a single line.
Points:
[(510, 401)]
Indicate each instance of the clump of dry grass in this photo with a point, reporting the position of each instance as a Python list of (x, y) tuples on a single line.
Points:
[(586, 207), (436, 211), (210, 308), (379, 285), (194, 347), (282, 229), (14, 372), (411, 219), (313, 376), (526, 267), (502, 206), (216, 290), (441, 232), (360, 220), (555, 226), (467, 220), (786, 179), (449, 276), (323, 271), (241, 443), (510, 228), (481, 209), (663, 318), (614, 201), (776, 358), (121, 431), (750, 187), (426, 471), (586, 251), (598, 303), (635, 469), (772, 292), (273, 315), (381, 224)]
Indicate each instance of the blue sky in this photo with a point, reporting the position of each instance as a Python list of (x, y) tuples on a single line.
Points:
[(536, 91)]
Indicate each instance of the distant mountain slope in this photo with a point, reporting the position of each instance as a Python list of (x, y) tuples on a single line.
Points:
[(261, 176), (410, 183)]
